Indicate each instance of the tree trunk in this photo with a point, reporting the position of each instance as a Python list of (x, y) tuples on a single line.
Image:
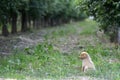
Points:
[(29, 23), (24, 21), (14, 23), (114, 37), (36, 23), (119, 35), (5, 30)]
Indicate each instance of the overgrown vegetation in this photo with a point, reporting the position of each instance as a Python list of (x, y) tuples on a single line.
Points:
[(46, 62)]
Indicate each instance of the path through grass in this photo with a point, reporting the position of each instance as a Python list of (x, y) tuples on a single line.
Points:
[(56, 57)]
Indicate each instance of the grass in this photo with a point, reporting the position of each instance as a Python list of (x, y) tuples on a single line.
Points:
[(45, 62), (88, 27)]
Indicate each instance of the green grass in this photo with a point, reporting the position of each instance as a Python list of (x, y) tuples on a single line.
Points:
[(45, 62), (60, 31), (88, 27)]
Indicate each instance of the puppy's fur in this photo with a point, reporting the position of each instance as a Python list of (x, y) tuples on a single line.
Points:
[(87, 63)]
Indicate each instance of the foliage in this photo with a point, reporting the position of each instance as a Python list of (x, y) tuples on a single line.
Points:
[(7, 7), (106, 12), (34, 9), (3, 11), (40, 12)]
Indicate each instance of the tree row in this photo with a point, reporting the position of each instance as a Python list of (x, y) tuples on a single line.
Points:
[(28, 14)]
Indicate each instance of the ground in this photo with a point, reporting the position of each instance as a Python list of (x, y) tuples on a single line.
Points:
[(65, 42), (72, 38)]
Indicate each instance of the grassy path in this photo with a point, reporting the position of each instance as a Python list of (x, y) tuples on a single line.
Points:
[(55, 54)]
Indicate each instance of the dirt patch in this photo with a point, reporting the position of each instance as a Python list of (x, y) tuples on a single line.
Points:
[(19, 42), (69, 78), (113, 61), (7, 79), (82, 78), (64, 44), (75, 42)]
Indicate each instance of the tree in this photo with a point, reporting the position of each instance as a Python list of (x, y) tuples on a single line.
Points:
[(14, 4), (23, 9), (8, 13), (4, 15), (107, 13), (39, 12), (35, 12)]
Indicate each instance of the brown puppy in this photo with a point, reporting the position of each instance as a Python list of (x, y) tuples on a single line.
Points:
[(87, 63)]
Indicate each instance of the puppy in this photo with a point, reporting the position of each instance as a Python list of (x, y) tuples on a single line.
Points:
[(87, 63)]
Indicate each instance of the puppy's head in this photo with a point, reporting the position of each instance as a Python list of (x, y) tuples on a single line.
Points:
[(83, 55)]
